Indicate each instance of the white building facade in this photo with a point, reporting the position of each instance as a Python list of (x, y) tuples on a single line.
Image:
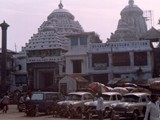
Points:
[(124, 55), (61, 47)]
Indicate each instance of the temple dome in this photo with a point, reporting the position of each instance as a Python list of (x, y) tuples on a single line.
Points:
[(131, 8), (52, 33), (60, 12)]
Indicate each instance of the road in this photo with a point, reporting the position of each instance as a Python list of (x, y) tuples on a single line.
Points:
[(13, 114)]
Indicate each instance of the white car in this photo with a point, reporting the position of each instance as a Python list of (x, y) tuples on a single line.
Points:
[(76, 100), (109, 98), (132, 105)]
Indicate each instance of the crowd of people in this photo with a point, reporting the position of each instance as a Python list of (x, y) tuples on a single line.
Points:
[(5, 101)]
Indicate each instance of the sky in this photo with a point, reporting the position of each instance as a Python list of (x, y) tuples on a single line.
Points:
[(101, 16)]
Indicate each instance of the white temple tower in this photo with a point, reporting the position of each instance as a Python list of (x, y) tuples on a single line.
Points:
[(46, 48), (131, 25)]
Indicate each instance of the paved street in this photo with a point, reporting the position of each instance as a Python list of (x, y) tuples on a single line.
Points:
[(13, 114)]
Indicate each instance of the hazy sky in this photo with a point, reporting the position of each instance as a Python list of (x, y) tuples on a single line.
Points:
[(101, 16)]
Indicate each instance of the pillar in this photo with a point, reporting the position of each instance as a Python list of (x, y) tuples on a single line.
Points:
[(131, 55), (4, 27)]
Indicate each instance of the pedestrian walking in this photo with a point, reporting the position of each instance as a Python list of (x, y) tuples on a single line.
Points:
[(5, 102), (153, 109), (99, 106)]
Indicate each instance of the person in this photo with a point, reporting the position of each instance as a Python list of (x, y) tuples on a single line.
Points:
[(5, 102), (153, 109), (27, 100), (99, 106), (21, 99)]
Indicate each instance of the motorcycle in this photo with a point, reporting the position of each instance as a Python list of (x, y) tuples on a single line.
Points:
[(31, 110), (21, 107)]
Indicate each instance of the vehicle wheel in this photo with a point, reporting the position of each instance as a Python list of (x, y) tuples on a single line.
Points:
[(79, 110), (135, 115), (106, 114), (48, 111), (20, 110), (35, 112), (114, 116), (88, 116)]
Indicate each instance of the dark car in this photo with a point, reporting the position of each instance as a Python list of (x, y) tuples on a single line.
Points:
[(132, 106), (43, 102)]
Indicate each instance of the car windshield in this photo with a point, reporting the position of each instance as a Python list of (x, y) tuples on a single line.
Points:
[(106, 97), (37, 96), (130, 98), (74, 97)]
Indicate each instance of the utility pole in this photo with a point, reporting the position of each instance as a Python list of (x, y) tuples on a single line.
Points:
[(4, 27)]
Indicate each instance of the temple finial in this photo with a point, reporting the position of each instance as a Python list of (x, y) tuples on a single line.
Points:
[(131, 2), (60, 5)]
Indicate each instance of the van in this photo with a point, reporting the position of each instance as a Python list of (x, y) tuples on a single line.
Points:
[(44, 102)]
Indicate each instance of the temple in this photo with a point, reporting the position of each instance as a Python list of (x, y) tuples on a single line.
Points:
[(62, 48)]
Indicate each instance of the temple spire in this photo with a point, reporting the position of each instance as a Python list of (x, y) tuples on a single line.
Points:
[(131, 2), (60, 5)]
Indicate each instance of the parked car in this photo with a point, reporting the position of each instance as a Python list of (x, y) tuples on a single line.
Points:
[(43, 102), (109, 98), (74, 103), (132, 106)]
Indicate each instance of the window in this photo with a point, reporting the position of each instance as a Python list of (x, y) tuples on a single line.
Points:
[(88, 97), (51, 96), (113, 97), (143, 99), (20, 79), (74, 41), (63, 69), (37, 96), (106, 97), (121, 59), (140, 58), (83, 40), (76, 66), (100, 58), (74, 97), (119, 97)]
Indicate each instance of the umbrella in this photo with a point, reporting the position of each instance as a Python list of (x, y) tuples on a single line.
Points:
[(98, 87)]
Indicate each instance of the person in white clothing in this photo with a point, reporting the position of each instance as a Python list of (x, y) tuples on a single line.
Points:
[(153, 109), (5, 102), (99, 107), (27, 100)]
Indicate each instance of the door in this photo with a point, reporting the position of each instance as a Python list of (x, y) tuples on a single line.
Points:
[(63, 88)]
